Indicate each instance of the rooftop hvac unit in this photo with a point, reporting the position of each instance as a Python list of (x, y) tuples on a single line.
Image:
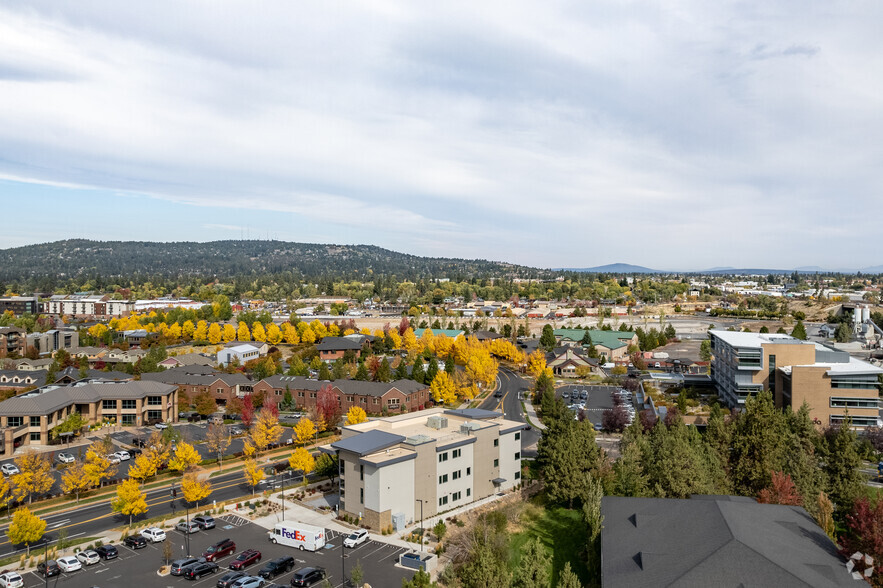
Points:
[(467, 428), (437, 422)]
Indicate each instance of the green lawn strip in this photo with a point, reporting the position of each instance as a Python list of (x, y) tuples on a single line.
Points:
[(561, 531)]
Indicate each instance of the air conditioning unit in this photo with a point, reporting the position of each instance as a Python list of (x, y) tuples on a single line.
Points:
[(437, 422)]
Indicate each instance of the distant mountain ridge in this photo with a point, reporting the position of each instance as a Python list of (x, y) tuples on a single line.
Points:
[(614, 268)]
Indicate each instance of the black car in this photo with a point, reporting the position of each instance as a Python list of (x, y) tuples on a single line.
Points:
[(276, 567), (107, 551), (227, 580), (134, 452), (135, 541), (307, 576), (48, 568), (198, 570)]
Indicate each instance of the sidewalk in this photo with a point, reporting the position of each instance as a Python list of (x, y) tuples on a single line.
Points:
[(531, 414)]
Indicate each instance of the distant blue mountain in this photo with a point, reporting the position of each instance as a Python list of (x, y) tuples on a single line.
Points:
[(614, 268)]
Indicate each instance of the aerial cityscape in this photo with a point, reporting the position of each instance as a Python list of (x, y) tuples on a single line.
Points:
[(399, 295)]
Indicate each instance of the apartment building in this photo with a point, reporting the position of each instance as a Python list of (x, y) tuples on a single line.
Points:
[(19, 305), (12, 341), (397, 470), (87, 306), (195, 379), (28, 419), (372, 397), (52, 340), (830, 381)]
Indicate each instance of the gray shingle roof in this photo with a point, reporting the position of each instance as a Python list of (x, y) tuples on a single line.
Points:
[(368, 442), (714, 541), (338, 344), (40, 403), (354, 387), (195, 375)]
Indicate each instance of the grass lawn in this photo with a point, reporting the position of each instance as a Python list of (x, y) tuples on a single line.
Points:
[(561, 531)]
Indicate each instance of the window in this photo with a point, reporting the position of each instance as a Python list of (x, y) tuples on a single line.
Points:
[(392, 401), (154, 415), (443, 479), (443, 501), (517, 475), (300, 394), (128, 419), (857, 421), (468, 471), (442, 457), (35, 421), (35, 436), (456, 453), (109, 404), (496, 442), (361, 496), (468, 492), (361, 472), (496, 463), (772, 380), (456, 496), (845, 402), (455, 475), (129, 404), (154, 401), (13, 421), (376, 401), (518, 436), (517, 455)]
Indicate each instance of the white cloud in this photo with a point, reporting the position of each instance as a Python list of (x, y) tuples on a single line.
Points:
[(690, 134)]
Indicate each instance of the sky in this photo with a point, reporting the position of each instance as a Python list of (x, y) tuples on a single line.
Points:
[(676, 135)]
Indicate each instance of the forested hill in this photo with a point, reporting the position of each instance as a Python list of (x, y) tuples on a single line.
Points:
[(52, 263)]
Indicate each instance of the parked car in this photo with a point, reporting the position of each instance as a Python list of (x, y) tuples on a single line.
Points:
[(277, 567), (204, 522), (107, 552), (48, 568), (245, 559), (134, 452), (65, 457), (112, 458), (220, 549), (185, 527), (9, 469), (69, 564), (227, 580), (154, 534), (88, 557), (161, 426), (236, 431), (198, 570), (135, 541), (178, 566), (307, 576), (123, 455), (249, 582), (356, 538), (11, 580)]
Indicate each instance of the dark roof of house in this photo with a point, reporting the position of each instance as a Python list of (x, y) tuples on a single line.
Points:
[(40, 402), (35, 377), (478, 414), (714, 541), (338, 344), (74, 374), (355, 387), (195, 375), (486, 335), (368, 442)]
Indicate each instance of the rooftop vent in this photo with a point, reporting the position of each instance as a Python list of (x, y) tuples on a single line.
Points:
[(467, 428), (437, 422)]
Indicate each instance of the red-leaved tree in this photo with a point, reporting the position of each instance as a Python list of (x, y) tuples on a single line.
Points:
[(404, 325), (247, 413), (328, 406), (864, 533), (780, 491)]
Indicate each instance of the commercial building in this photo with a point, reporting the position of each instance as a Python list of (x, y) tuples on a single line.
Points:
[(196, 379), (29, 418), (372, 397), (830, 381), (611, 344), (714, 541), (19, 305), (240, 352), (52, 340), (399, 469), (334, 348)]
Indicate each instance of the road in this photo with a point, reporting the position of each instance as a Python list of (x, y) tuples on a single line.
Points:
[(513, 389)]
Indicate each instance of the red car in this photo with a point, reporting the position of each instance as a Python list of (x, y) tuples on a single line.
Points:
[(219, 550), (245, 559)]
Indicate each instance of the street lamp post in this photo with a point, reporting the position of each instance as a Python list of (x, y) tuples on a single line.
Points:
[(420, 500)]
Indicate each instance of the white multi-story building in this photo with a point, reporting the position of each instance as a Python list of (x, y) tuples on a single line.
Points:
[(432, 460)]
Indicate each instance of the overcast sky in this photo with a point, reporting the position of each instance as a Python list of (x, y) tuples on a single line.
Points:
[(682, 134)]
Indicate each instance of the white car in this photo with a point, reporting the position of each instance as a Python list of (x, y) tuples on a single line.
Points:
[(88, 557), (161, 426), (11, 580), (65, 457), (112, 458), (356, 538), (154, 534), (9, 469), (69, 564), (123, 455)]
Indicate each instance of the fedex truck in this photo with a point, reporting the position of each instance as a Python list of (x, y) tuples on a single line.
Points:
[(298, 535)]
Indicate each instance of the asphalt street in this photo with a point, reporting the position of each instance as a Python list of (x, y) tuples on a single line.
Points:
[(512, 390)]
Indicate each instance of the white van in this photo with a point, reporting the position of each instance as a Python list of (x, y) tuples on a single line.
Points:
[(298, 535)]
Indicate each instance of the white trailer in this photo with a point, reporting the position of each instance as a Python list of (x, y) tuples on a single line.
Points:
[(298, 535)]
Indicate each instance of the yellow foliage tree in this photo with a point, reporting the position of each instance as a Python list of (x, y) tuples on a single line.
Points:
[(175, 331), (142, 469), (214, 334), (194, 490), (333, 330), (266, 429), (319, 328), (201, 331), (308, 336), (348, 332), (248, 448), (129, 500), (304, 430), (289, 333), (185, 457), (97, 330), (443, 388), (26, 528), (302, 460), (444, 345), (356, 415), (187, 329), (396, 339), (536, 363), (5, 492), (242, 333), (410, 342), (258, 332), (274, 334), (74, 480), (34, 477), (229, 333), (97, 467), (252, 473)]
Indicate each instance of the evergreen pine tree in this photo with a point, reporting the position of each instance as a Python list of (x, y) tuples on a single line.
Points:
[(401, 370), (361, 372), (417, 373), (384, 373)]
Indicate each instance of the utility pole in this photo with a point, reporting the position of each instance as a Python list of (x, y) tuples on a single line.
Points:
[(421, 522)]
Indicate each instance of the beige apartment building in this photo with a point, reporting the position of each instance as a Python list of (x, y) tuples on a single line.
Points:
[(399, 469), (830, 381)]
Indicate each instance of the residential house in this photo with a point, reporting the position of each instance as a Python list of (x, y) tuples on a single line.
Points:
[(71, 375), (195, 379), (373, 397), (187, 359), (565, 361), (611, 344), (18, 380), (333, 348)]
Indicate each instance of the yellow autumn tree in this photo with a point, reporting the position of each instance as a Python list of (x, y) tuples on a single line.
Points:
[(242, 333), (396, 339), (194, 490), (34, 477), (258, 332), (97, 330), (129, 500), (356, 415), (26, 527), (142, 469), (443, 388), (318, 328), (410, 342), (214, 334), (185, 457), (308, 336), (347, 332), (333, 330), (74, 480), (304, 430), (266, 429), (444, 345), (187, 329), (201, 331), (303, 461), (289, 333), (228, 333), (175, 331), (274, 334), (536, 363), (252, 473)]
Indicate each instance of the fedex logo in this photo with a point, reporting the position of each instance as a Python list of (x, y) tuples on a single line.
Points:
[(296, 535)]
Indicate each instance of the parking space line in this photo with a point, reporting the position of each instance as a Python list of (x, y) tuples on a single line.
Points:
[(394, 553)]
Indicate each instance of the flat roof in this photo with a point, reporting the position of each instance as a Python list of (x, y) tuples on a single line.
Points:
[(855, 366), (368, 442), (741, 339)]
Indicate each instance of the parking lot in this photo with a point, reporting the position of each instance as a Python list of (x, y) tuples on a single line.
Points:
[(140, 566), (597, 399)]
